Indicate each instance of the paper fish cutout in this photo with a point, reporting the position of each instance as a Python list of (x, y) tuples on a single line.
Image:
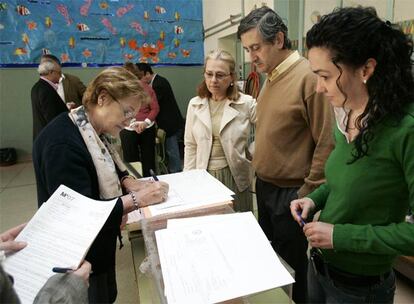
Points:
[(177, 16), (160, 10), (22, 10), (63, 10), (84, 10), (178, 29), (48, 22), (138, 27), (128, 56), (82, 27), (162, 35), (46, 51), (146, 15), (172, 55), (107, 23), (176, 42), (122, 41), (186, 53), (123, 10), (71, 42), (25, 38), (3, 6), (20, 51)]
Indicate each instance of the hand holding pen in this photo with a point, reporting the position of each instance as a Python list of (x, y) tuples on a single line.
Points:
[(300, 209), (83, 271)]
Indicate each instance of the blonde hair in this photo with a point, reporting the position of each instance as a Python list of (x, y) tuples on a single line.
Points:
[(232, 92), (118, 82)]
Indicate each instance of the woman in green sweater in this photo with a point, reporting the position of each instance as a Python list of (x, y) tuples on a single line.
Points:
[(364, 68)]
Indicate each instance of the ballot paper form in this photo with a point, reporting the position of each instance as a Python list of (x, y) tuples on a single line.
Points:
[(217, 258), (191, 189), (58, 235)]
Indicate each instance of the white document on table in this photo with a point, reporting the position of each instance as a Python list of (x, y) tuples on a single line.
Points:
[(58, 235), (191, 189), (217, 259)]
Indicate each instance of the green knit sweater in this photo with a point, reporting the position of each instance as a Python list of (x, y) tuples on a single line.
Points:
[(367, 200)]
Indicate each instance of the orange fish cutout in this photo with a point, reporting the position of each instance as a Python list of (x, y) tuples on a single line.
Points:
[(186, 53), (31, 25), (71, 42), (25, 38), (128, 56), (20, 51), (22, 10), (64, 57), (172, 55), (48, 22), (86, 53)]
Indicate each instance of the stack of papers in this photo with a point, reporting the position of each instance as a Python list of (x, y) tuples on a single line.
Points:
[(188, 190), (58, 235), (216, 258)]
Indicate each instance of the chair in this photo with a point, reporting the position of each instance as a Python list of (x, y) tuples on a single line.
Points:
[(160, 159)]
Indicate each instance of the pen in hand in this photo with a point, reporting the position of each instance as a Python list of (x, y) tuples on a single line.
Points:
[(300, 218), (153, 175), (62, 269)]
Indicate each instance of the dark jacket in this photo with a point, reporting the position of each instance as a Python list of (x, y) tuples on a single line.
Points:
[(169, 118), (60, 156), (46, 105)]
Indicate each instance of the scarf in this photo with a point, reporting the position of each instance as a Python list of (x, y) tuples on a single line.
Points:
[(104, 156)]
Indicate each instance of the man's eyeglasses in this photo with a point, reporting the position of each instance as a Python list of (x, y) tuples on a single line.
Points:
[(219, 76)]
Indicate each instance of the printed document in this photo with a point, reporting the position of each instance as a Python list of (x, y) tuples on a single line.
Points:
[(217, 258), (58, 235), (191, 189)]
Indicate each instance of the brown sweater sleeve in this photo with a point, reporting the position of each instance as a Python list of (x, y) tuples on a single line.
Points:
[(319, 115)]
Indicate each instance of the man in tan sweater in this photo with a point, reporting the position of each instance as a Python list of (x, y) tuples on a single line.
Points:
[(293, 136)]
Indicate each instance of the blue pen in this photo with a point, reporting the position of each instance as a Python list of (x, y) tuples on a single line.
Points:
[(61, 269), (300, 218), (153, 175)]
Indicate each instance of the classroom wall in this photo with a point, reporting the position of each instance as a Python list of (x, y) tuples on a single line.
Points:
[(15, 104)]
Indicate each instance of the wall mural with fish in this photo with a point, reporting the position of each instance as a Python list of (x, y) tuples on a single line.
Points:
[(101, 32)]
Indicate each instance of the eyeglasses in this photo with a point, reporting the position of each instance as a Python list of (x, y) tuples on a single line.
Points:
[(219, 76), (128, 113)]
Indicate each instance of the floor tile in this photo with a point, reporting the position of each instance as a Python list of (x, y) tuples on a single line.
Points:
[(7, 174), (25, 177), (17, 205)]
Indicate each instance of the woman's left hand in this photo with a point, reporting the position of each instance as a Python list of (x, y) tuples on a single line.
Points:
[(319, 234)]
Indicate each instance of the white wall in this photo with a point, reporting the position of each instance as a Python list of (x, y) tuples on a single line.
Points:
[(403, 10), (216, 11)]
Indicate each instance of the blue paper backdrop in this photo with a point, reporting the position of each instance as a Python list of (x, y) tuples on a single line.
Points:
[(101, 31)]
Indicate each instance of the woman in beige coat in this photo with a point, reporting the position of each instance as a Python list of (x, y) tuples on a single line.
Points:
[(218, 126)]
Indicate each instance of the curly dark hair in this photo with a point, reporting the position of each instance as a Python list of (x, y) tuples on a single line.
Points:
[(355, 34)]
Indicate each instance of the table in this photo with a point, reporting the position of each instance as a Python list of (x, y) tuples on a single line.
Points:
[(150, 284)]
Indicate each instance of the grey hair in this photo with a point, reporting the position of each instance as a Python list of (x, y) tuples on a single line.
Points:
[(268, 23), (46, 67)]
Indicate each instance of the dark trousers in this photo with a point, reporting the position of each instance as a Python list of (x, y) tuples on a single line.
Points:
[(102, 287), (139, 147), (286, 236)]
